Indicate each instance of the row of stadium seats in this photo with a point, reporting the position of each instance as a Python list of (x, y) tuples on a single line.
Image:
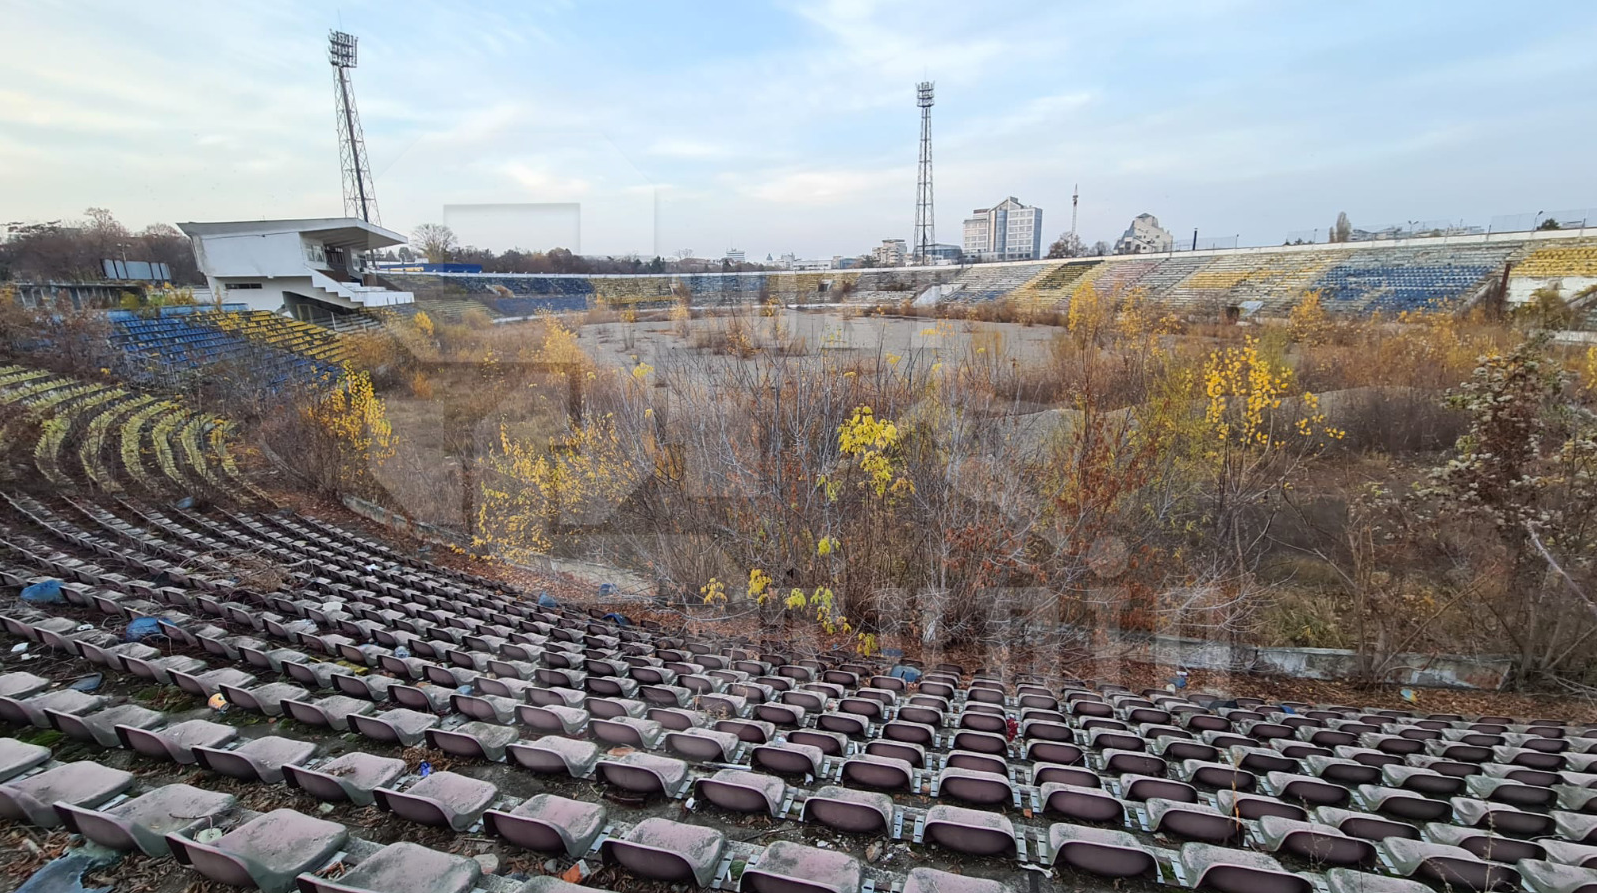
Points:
[(111, 439), (591, 722), (164, 349), (1360, 278)]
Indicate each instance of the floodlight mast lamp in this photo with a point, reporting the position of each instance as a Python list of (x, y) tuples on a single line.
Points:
[(360, 200), (925, 236)]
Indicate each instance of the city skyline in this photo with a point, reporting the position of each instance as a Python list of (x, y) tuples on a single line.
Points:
[(781, 127)]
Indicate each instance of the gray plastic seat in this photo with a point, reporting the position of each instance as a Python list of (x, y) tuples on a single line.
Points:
[(1485, 844), (31, 711), (1347, 880)]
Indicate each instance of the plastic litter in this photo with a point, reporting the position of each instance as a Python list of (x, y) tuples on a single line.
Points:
[(546, 601), (402, 652), (618, 619), (88, 683), (607, 589), (906, 673), (142, 628), (19, 648), (464, 690), (425, 769), (209, 835), (304, 626), (44, 592)]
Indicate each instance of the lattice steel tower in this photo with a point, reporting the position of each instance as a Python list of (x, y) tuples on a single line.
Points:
[(360, 200), (925, 236)]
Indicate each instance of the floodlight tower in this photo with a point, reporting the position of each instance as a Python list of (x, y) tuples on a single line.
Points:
[(360, 200), (925, 236), (1075, 199)]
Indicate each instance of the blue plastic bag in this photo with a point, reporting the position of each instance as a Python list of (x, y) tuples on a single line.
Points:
[(45, 592), (143, 628), (545, 601), (906, 673)]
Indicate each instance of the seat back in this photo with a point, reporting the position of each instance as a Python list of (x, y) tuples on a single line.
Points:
[(101, 828)]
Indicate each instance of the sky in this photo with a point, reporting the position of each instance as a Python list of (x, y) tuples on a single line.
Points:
[(792, 127)]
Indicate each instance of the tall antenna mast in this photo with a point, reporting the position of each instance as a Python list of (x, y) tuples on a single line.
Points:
[(925, 236), (1075, 197), (360, 200)]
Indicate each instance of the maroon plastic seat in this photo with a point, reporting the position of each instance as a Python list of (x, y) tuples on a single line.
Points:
[(550, 824), (974, 786), (663, 850), (351, 777), (143, 822), (739, 790), (913, 754), (260, 760), (1238, 871), (266, 852), (555, 756), (1318, 844), (849, 810), (788, 867), (401, 867), (788, 758), (1101, 851), (1194, 821), (643, 773), (442, 799), (1454, 867), (1081, 804), (1256, 806), (31, 798), (879, 773), (970, 831)]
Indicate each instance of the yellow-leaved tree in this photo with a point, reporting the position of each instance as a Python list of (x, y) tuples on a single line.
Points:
[(1259, 428), (346, 432), (529, 490)]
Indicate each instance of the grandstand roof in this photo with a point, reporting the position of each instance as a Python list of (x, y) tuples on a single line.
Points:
[(341, 232)]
